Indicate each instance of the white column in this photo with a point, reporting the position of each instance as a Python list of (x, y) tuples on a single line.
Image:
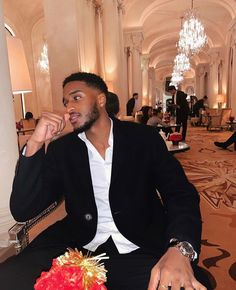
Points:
[(124, 93), (137, 39), (145, 88), (71, 37), (112, 41), (213, 79), (8, 140), (233, 73), (200, 81), (133, 40), (99, 36), (152, 87)]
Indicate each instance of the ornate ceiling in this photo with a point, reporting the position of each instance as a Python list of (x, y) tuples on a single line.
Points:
[(159, 21)]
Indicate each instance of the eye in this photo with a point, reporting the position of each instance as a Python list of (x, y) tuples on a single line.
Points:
[(76, 98)]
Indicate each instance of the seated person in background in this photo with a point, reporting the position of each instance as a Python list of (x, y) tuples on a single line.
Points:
[(228, 142), (146, 114), (110, 194), (200, 104), (157, 118), (112, 105), (28, 122)]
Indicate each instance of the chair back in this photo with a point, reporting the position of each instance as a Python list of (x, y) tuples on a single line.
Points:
[(225, 114), (212, 111), (28, 124)]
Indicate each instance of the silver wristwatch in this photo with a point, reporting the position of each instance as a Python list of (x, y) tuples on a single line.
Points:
[(185, 248)]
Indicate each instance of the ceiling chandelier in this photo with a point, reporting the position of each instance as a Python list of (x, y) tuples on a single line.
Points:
[(43, 60), (192, 37), (176, 78), (181, 63)]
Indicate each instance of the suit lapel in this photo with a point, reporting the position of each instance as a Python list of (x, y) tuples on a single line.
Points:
[(119, 149)]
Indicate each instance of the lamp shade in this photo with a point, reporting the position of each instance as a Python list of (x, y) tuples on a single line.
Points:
[(20, 79), (220, 98)]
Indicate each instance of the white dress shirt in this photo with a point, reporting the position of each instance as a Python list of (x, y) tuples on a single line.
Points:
[(101, 176)]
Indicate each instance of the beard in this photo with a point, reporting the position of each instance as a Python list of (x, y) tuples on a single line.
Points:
[(91, 118)]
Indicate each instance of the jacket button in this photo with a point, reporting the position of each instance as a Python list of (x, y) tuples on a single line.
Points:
[(88, 217)]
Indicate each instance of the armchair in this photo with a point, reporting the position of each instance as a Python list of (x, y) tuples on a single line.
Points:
[(22, 233), (219, 121)]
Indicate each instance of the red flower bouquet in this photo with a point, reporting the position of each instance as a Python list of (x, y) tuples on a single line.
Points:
[(175, 138), (73, 271)]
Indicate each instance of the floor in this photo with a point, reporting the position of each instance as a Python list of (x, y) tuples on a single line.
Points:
[(213, 171)]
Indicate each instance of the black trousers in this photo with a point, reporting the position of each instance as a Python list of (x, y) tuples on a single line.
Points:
[(125, 271), (182, 119)]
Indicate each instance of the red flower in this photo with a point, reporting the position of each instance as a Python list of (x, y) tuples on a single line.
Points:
[(73, 271), (175, 136)]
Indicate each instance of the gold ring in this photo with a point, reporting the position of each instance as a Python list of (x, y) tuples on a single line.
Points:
[(164, 286)]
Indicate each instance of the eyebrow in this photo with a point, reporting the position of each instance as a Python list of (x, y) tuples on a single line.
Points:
[(75, 91)]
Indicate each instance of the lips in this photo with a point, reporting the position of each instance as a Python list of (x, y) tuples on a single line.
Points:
[(74, 117)]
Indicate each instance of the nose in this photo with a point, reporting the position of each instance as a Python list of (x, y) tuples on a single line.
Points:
[(70, 108)]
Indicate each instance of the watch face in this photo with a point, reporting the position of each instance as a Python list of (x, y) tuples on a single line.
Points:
[(187, 247)]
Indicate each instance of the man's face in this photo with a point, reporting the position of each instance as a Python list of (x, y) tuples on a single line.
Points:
[(172, 91), (136, 97), (81, 104)]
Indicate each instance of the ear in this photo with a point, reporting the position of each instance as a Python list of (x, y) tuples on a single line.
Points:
[(101, 99)]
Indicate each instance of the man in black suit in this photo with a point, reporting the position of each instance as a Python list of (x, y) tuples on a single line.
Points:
[(200, 104), (180, 104), (110, 194), (131, 105)]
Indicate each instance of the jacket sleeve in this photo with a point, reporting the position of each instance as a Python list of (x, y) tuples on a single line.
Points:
[(36, 185), (180, 198)]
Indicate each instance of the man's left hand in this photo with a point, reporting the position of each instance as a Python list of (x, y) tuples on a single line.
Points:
[(174, 270)]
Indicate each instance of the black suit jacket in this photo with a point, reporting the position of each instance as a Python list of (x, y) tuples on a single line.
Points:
[(130, 106), (141, 166), (181, 101)]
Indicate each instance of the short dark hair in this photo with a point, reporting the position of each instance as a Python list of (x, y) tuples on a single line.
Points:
[(112, 104), (135, 94), (170, 88), (28, 115), (91, 80)]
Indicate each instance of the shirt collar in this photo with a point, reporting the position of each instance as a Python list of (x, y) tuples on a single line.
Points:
[(84, 138)]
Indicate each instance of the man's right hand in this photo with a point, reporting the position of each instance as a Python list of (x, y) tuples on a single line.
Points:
[(49, 126)]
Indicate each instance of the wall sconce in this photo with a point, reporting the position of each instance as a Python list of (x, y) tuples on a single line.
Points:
[(19, 73)]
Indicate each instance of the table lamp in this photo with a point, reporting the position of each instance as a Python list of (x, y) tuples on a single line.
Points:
[(19, 73)]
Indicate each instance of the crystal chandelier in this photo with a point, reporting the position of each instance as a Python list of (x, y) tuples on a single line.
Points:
[(181, 63), (43, 60), (176, 78), (192, 37)]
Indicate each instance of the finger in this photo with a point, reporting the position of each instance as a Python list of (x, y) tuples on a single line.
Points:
[(164, 286), (198, 286), (66, 117), (187, 286), (54, 122), (154, 279)]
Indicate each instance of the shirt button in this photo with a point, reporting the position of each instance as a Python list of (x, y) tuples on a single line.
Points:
[(88, 217)]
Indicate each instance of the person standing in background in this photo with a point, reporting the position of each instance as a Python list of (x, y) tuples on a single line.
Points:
[(180, 104), (131, 105)]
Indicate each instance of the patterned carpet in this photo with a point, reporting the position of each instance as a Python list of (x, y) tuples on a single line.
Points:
[(213, 171)]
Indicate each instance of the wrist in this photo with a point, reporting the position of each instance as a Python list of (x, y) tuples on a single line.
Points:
[(185, 248), (32, 147)]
